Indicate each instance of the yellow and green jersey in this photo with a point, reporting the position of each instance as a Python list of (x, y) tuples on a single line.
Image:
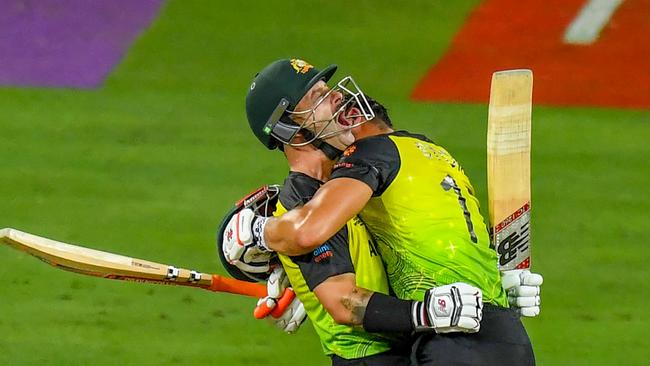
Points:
[(351, 250), (423, 215)]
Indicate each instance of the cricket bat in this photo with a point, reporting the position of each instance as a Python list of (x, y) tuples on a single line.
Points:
[(97, 263), (508, 166)]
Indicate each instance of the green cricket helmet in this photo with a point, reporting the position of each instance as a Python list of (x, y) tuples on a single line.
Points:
[(277, 89), (263, 202)]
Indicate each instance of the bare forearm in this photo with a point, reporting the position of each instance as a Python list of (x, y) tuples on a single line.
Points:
[(356, 302), (352, 305), (285, 234), (375, 312), (342, 299)]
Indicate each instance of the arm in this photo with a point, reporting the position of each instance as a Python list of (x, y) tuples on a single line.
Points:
[(342, 299), (303, 229), (377, 312)]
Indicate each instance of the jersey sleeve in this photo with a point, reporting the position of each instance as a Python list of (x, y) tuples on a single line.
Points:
[(373, 160), (330, 259)]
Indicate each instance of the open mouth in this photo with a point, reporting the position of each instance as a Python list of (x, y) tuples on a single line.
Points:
[(342, 120)]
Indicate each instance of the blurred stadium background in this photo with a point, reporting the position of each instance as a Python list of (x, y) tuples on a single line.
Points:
[(132, 138)]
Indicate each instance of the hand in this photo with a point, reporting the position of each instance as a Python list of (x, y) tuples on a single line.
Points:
[(276, 285), (287, 312), (451, 308), (243, 242), (523, 288), (292, 316)]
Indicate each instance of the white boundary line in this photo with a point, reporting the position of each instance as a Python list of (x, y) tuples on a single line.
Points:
[(591, 20)]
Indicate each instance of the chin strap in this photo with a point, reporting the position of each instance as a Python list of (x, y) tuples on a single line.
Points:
[(330, 151)]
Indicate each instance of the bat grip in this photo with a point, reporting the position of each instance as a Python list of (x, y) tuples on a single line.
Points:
[(262, 310), (283, 303), (233, 286)]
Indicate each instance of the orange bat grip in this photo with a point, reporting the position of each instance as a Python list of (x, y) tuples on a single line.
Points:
[(283, 303), (224, 284), (262, 310)]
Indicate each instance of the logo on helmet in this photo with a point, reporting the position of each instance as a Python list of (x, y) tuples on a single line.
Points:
[(300, 66)]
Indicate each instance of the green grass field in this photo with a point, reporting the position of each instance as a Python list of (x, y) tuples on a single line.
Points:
[(147, 165)]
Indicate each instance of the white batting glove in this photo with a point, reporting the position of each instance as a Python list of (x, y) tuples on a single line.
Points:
[(243, 242), (292, 315), (275, 286), (523, 289), (451, 308)]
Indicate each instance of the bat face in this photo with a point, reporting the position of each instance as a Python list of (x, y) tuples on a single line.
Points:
[(80, 259), (97, 263), (508, 171)]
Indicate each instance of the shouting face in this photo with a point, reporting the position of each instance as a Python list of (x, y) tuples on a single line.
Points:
[(331, 113)]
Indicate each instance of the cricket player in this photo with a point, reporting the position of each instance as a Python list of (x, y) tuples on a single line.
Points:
[(327, 279), (417, 203)]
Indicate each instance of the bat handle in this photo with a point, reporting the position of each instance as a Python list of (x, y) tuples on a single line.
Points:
[(283, 303), (262, 310), (233, 286)]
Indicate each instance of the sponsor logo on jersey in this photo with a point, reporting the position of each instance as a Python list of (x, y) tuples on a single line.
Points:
[(343, 165), (322, 253), (350, 150), (300, 66)]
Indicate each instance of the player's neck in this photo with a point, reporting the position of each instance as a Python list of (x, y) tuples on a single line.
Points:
[(370, 129), (311, 162)]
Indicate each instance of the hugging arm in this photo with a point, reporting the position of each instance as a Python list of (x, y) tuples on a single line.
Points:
[(451, 308), (303, 229)]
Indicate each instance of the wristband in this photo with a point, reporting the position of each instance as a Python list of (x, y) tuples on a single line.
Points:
[(259, 223), (420, 316), (387, 314)]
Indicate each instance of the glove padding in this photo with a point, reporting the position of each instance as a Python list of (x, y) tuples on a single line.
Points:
[(523, 289), (243, 242), (291, 318), (451, 308), (287, 316)]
